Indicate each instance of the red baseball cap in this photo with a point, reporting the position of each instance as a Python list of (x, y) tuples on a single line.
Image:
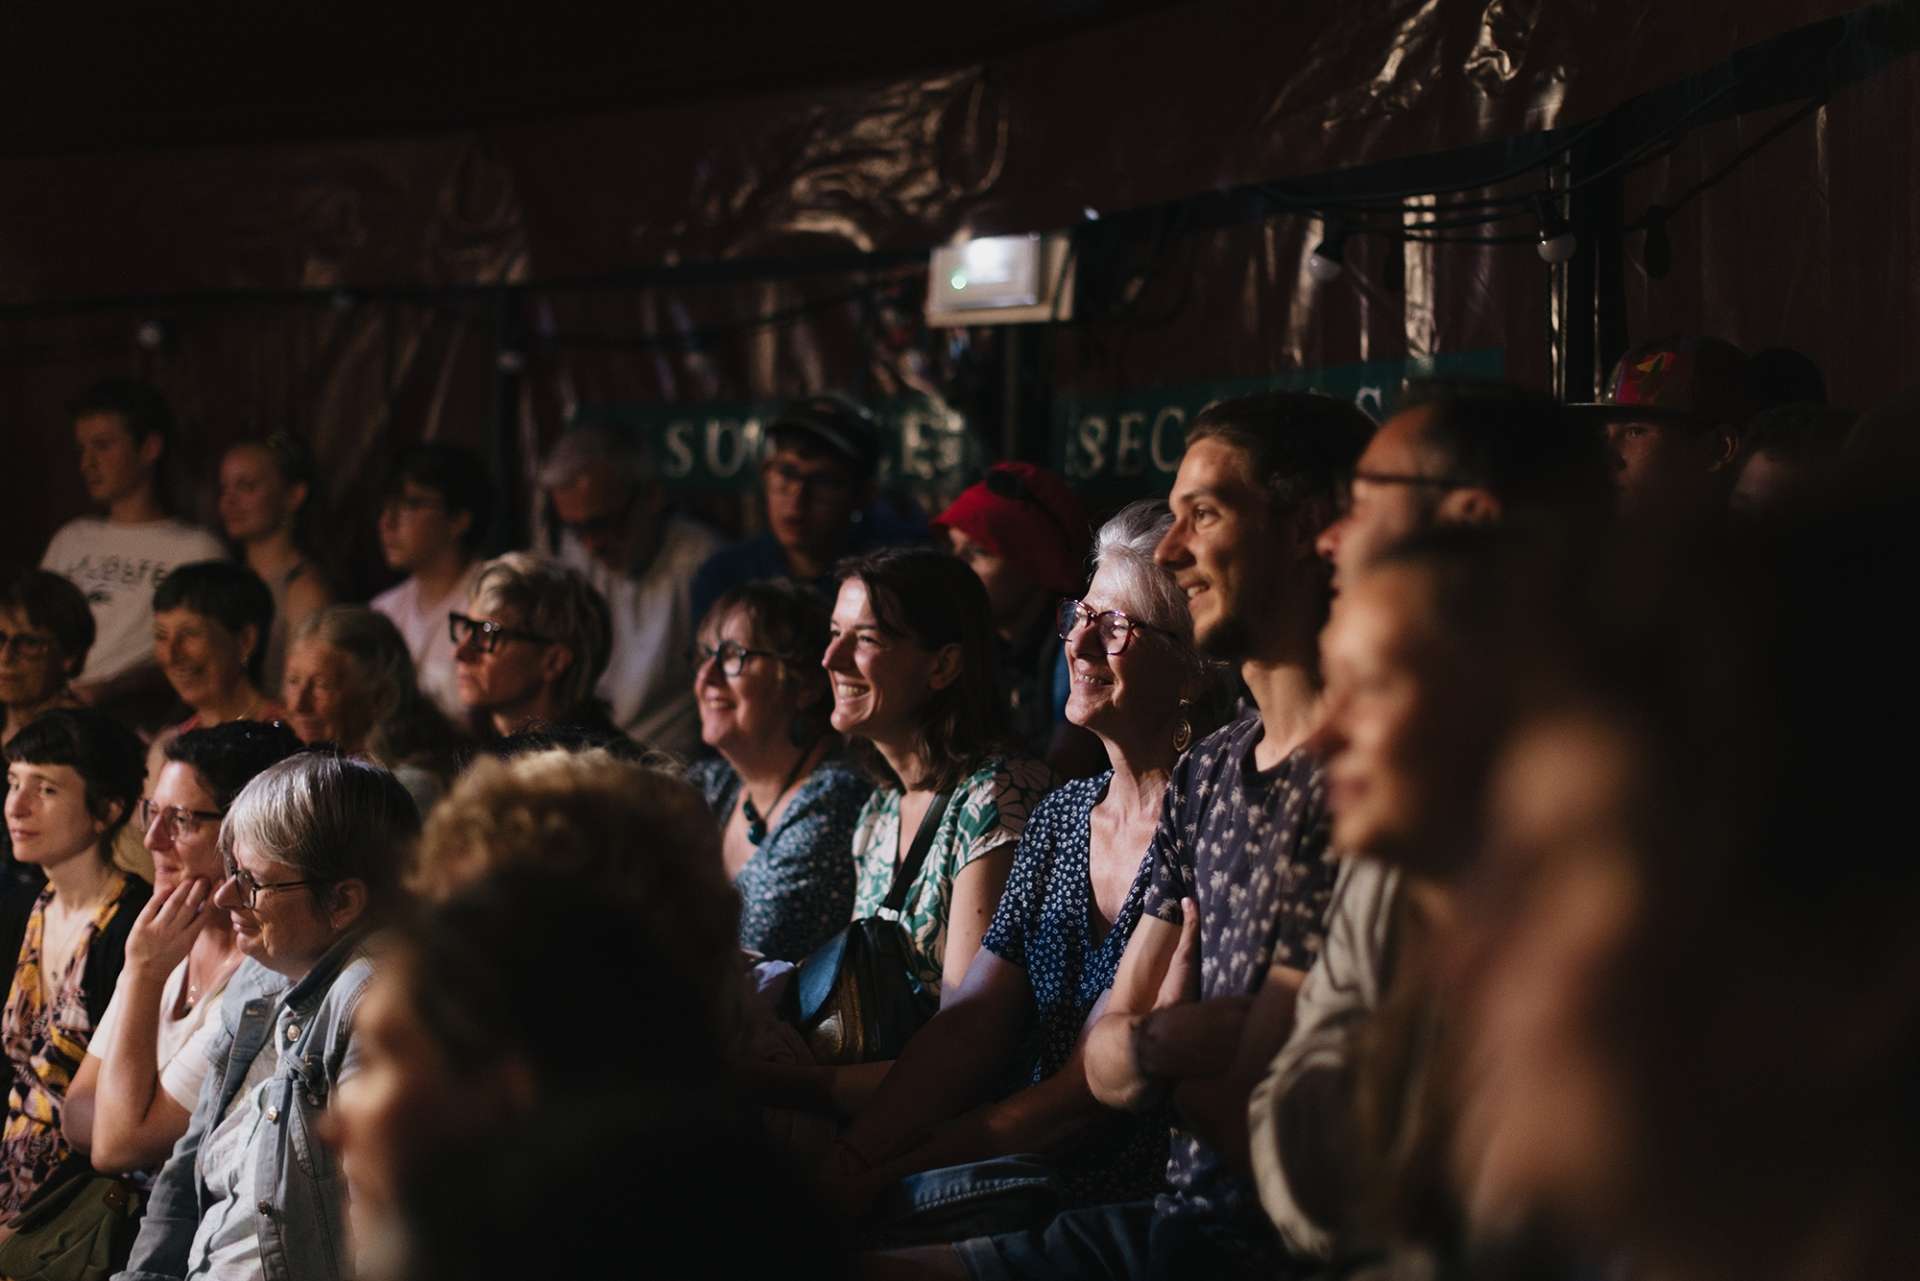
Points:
[(1029, 512), (1701, 382)]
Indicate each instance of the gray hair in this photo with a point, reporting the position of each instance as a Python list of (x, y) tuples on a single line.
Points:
[(1125, 545), (556, 601), (597, 445), (394, 709), (330, 818)]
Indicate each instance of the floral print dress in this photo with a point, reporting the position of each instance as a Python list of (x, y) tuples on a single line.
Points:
[(986, 813), (49, 1020)]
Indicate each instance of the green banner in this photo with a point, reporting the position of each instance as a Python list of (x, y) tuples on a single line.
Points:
[(1128, 444), (714, 446)]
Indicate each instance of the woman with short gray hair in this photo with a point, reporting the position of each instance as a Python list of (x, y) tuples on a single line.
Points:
[(532, 645), (312, 848), (1070, 905)]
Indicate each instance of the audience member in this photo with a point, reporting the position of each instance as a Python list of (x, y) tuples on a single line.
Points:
[(1241, 877), (610, 522), (1673, 412), (210, 620), (73, 778), (1466, 454), (46, 630), (1413, 664), (266, 502), (1070, 906), (817, 471), (1024, 534), (433, 523), (1790, 457), (1783, 376), (911, 660), (312, 850), (457, 1040), (130, 1100), (350, 683), (786, 798), (123, 427), (532, 646)]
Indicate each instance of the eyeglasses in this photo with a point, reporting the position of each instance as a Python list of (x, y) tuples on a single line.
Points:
[(24, 644), (250, 888), (605, 524), (1398, 478), (1012, 485), (1114, 628), (828, 482), (180, 820), (486, 636), (731, 655)]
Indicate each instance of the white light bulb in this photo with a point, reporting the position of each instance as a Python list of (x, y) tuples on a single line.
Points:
[(1324, 268), (1557, 249), (150, 334)]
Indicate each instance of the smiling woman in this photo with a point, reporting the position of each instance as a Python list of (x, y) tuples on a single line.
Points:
[(210, 622)]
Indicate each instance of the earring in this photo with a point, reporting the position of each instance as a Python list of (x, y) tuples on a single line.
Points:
[(1183, 729)]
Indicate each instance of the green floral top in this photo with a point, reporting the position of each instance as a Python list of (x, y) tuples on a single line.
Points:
[(987, 812)]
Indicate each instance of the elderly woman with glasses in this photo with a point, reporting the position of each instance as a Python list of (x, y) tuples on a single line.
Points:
[(136, 1088), (1070, 905), (311, 850), (532, 645), (785, 798)]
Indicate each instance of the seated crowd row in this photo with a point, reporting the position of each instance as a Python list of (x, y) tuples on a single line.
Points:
[(1461, 779)]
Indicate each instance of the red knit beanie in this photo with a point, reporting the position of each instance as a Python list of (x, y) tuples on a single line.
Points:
[(1027, 512)]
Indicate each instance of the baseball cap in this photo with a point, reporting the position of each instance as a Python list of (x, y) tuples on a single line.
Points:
[(1023, 510), (1702, 382), (837, 425)]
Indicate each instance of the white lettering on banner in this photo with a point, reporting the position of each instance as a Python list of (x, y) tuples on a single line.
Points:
[(744, 438), (1092, 440), (1130, 451), (1169, 422), (932, 443), (678, 439)]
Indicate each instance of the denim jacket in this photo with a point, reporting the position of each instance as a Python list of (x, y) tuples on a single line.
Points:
[(296, 1189)]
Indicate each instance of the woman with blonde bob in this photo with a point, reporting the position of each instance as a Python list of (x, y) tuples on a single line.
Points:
[(532, 645)]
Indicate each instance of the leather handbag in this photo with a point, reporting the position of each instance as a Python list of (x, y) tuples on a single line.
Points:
[(79, 1226), (858, 997)]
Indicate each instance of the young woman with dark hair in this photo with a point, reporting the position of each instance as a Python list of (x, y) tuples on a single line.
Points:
[(136, 1088), (73, 778), (915, 680)]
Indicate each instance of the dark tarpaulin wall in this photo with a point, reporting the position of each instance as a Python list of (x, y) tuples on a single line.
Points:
[(601, 224)]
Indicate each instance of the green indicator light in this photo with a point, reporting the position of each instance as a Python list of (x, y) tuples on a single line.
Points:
[(958, 280)]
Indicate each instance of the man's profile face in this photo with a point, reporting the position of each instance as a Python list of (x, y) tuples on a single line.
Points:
[(1221, 548), (1390, 507), (1663, 468), (113, 465), (811, 498)]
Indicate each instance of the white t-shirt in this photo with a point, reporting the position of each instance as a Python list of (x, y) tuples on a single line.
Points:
[(649, 682), (117, 568), (180, 1073), (423, 624)]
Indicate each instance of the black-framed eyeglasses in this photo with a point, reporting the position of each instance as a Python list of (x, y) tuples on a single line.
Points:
[(251, 888), (1012, 485), (180, 820), (24, 645), (731, 655), (1407, 479), (1114, 628), (486, 636)]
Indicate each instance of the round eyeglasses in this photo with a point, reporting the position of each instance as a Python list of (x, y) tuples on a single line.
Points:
[(1114, 628)]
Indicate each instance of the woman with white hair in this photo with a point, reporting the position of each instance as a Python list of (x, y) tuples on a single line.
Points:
[(312, 850), (1070, 905)]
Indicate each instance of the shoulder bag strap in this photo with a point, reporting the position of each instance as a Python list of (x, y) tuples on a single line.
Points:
[(903, 876)]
